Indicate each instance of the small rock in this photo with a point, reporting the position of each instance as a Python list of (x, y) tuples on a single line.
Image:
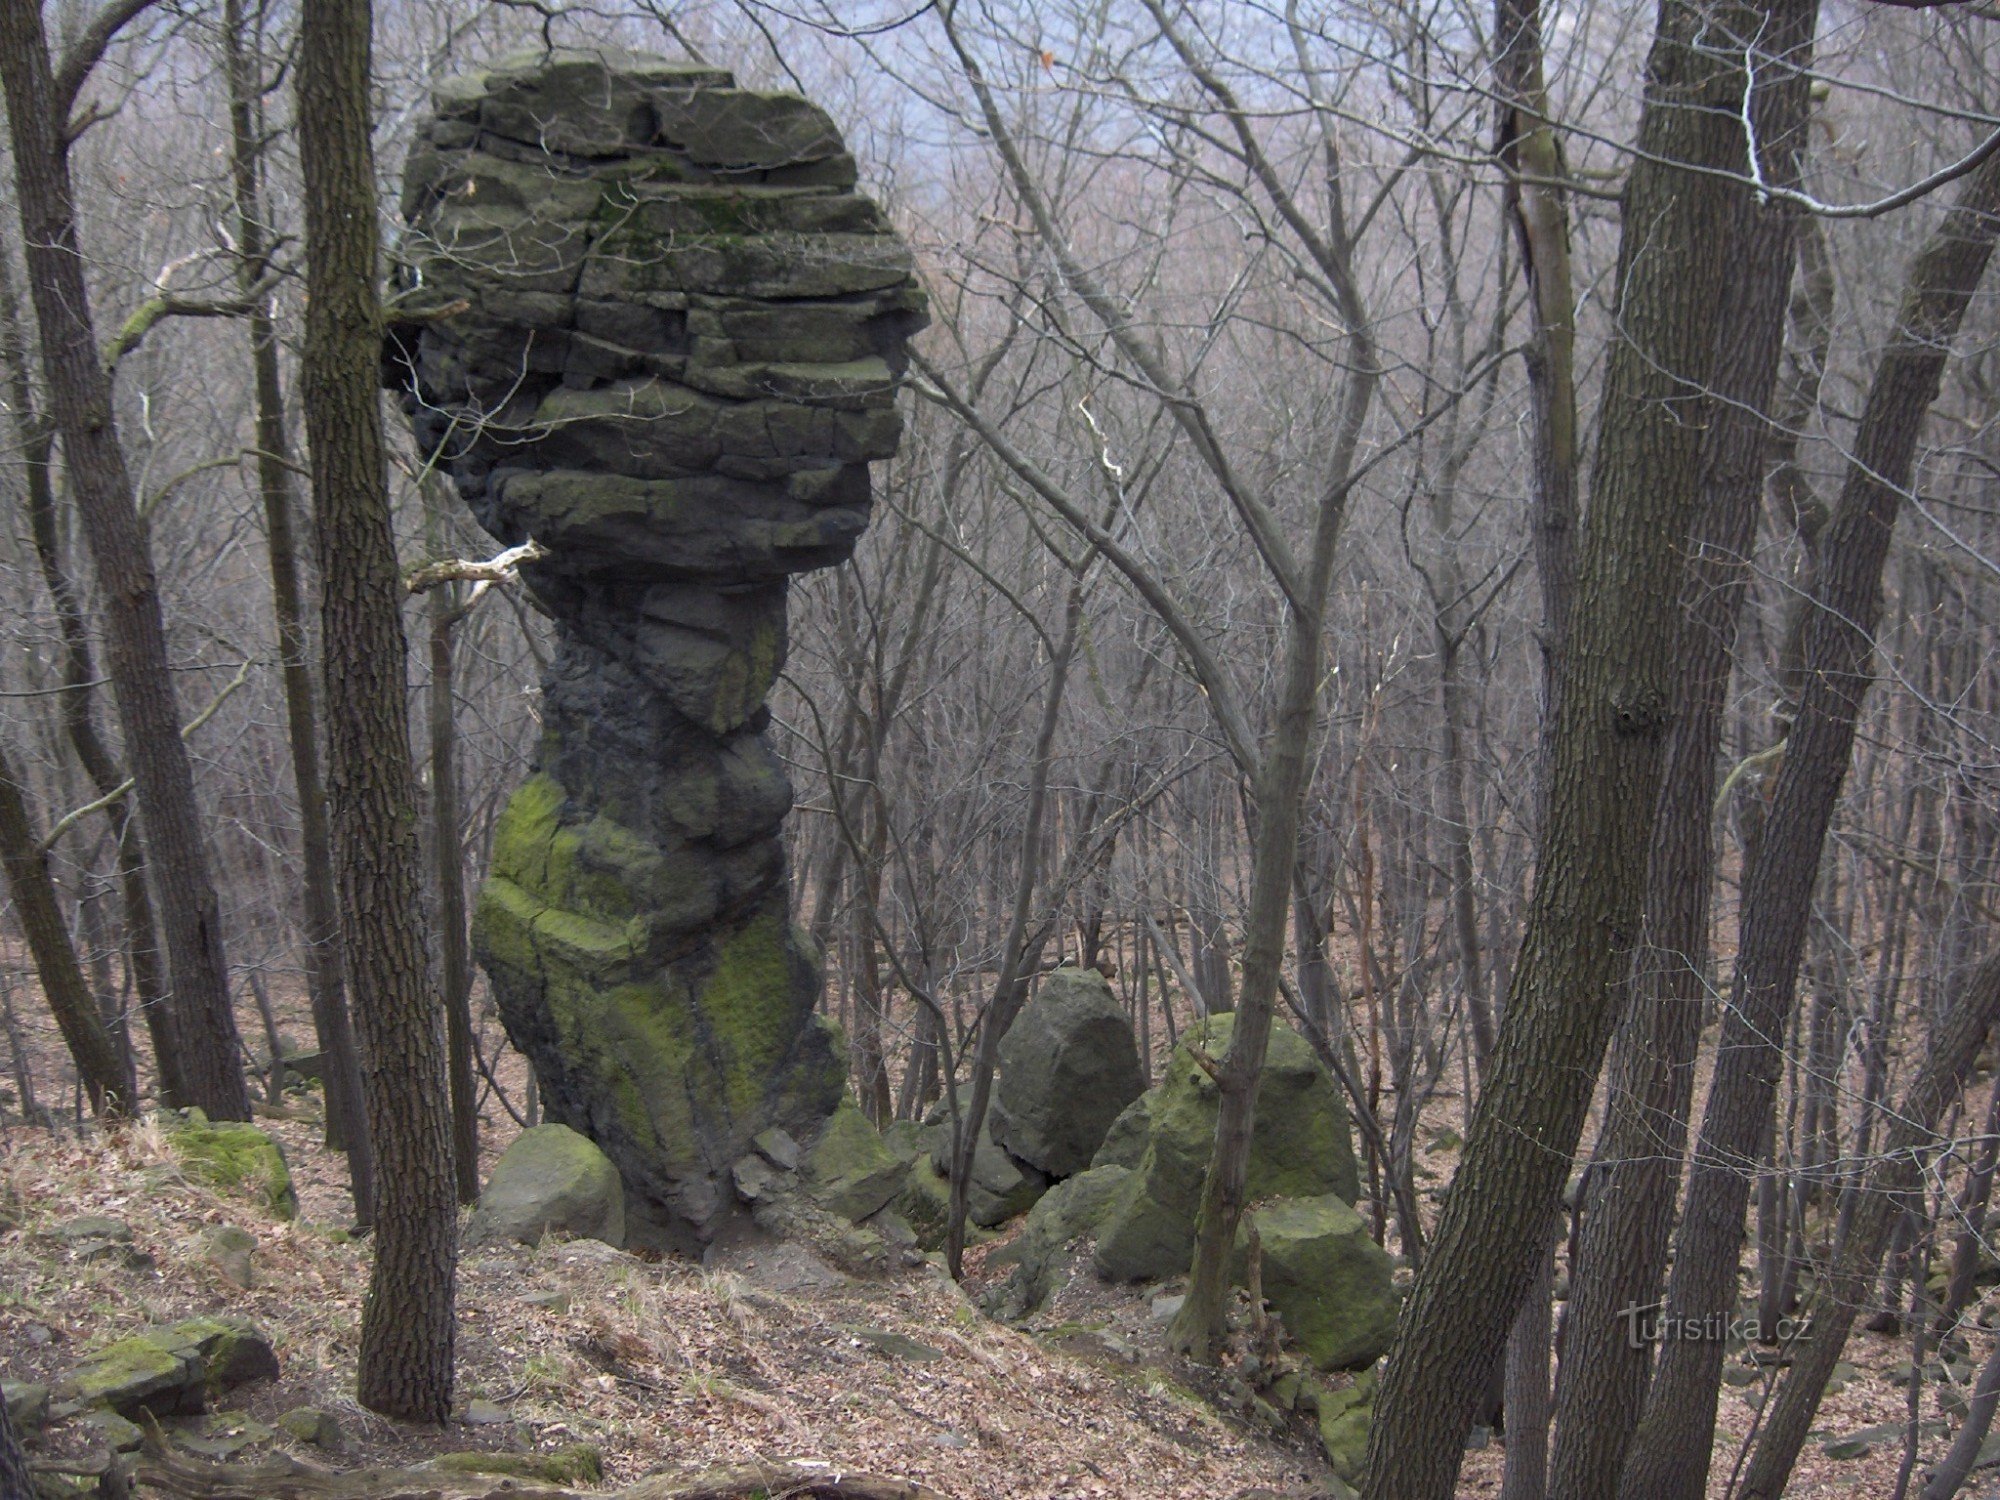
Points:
[(1166, 1305), (555, 1302), (777, 1145), (1855, 1445), (224, 1435), (95, 1227), (1477, 1440), (894, 1345), (229, 1250), (756, 1179), (1738, 1374), (27, 1404), (479, 1412), (952, 1438), (308, 1424), (115, 1432), (37, 1335)]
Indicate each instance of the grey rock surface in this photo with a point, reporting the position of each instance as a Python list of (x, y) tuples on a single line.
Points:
[(1069, 1065), (654, 329), (551, 1178)]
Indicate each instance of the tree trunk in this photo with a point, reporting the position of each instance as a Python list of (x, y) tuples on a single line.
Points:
[(1670, 1452), (448, 865), (141, 673), (1605, 761), (63, 982), (407, 1325), (346, 1121), (1628, 1213), (1882, 1192)]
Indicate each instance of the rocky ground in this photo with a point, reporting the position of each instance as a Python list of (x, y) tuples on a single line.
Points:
[(657, 1365)]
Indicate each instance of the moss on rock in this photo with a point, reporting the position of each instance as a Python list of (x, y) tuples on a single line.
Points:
[(232, 1155)]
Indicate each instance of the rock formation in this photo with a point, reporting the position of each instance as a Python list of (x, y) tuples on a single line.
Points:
[(660, 334)]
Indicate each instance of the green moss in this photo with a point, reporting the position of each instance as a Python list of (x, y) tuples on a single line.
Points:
[(751, 1007), (524, 830), (232, 1154), (577, 1463)]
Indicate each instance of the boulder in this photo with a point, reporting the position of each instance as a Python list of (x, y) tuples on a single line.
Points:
[(1124, 1144), (1068, 1067), (551, 1178), (232, 1155), (1300, 1149), (27, 1405), (1325, 1277), (313, 1425), (171, 1370), (1070, 1210), (1002, 1187), (848, 1171)]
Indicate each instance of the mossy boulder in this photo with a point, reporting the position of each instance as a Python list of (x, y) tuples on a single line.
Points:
[(849, 1171), (1069, 1211), (1003, 1187), (172, 1370), (551, 1178), (1124, 1144), (1068, 1067), (1329, 1281), (235, 1156), (1300, 1148)]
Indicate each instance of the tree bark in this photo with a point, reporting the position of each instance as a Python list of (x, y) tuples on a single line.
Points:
[(448, 865), (63, 983), (79, 675), (1628, 1213), (346, 1119), (1620, 665), (407, 1325), (141, 672), (1670, 1452)]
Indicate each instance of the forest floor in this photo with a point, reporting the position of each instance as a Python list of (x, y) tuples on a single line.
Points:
[(664, 1366)]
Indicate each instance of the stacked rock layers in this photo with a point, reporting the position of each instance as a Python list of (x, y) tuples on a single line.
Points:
[(661, 335)]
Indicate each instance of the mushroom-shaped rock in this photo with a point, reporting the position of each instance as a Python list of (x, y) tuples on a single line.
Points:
[(650, 325)]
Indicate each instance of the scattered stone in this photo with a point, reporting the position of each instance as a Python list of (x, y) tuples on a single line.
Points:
[(229, 1250), (172, 1370), (479, 1412), (894, 1345), (223, 1435), (306, 1063), (1736, 1373), (849, 1171), (27, 1404), (93, 1227), (779, 1148), (1856, 1444), (573, 1464), (678, 347), (114, 1431), (1326, 1278), (756, 1179), (1068, 1068), (1844, 1375), (1003, 1186), (1344, 1416), (551, 1178), (309, 1424), (1300, 1149), (232, 1155), (555, 1302), (1166, 1307), (1069, 1211), (925, 1203)]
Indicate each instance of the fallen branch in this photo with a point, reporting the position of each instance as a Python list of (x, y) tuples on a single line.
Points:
[(287, 1479), (503, 567)]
